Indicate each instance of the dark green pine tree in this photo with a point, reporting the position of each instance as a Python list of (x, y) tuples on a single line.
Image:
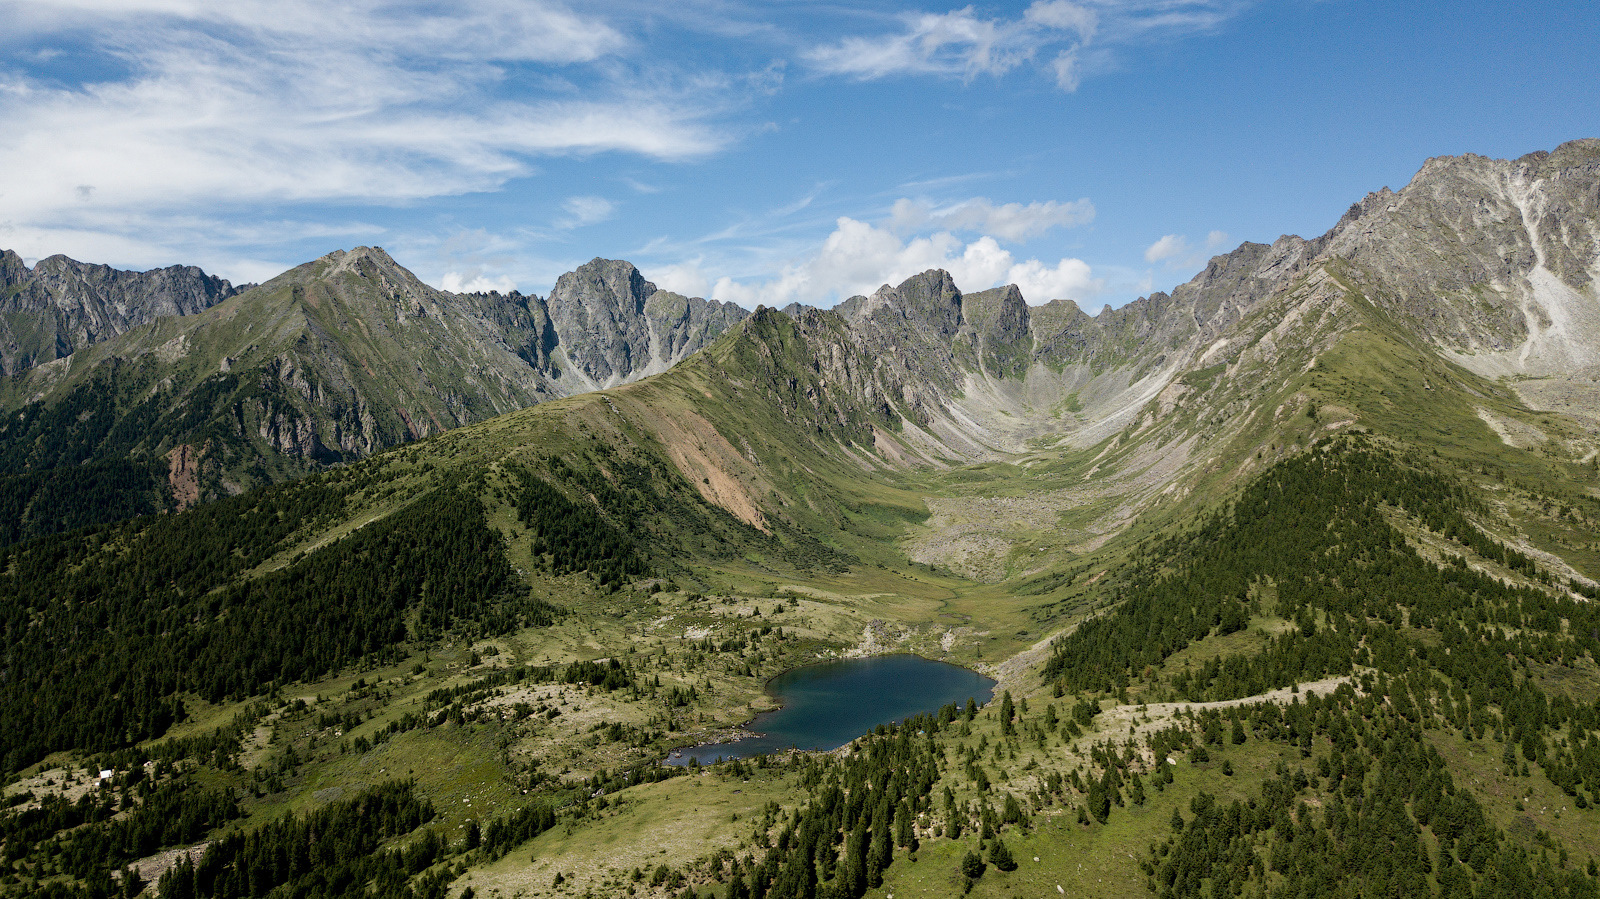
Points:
[(972, 866), (852, 882), (1001, 858), (903, 833)]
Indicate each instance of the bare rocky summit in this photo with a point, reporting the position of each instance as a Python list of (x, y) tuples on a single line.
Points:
[(60, 305), (1493, 260), (611, 326)]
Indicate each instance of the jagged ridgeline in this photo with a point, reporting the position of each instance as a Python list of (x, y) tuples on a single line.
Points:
[(61, 305), (175, 388)]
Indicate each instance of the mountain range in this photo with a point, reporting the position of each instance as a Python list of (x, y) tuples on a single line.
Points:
[(324, 364), (519, 547)]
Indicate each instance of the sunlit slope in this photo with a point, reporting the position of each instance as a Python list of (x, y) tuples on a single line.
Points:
[(330, 362), (1165, 528)]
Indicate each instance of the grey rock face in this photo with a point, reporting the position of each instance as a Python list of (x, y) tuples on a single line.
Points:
[(1494, 262), (613, 326), (1491, 259), (60, 305)]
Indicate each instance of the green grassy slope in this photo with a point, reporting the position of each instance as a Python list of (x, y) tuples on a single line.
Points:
[(327, 363), (1355, 617)]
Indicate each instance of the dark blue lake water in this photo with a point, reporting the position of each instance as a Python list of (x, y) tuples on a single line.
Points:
[(826, 706)]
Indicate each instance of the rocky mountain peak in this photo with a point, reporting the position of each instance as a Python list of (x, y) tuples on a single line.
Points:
[(614, 283), (615, 326), (1492, 259), (928, 300), (368, 258), (61, 305), (1000, 313), (375, 265), (13, 270)]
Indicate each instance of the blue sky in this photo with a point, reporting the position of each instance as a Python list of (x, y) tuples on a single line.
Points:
[(1094, 150)]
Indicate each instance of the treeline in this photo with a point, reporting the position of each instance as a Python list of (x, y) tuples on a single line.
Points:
[(102, 631), (1380, 815), (572, 536), (330, 852), (1314, 530)]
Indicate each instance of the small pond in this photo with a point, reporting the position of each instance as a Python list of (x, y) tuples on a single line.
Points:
[(826, 706)]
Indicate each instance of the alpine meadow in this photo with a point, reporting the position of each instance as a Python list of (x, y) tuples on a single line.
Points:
[(342, 585)]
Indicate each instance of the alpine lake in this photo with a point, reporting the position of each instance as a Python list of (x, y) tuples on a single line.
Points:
[(825, 706)]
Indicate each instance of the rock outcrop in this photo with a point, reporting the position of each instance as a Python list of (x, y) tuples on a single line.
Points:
[(61, 305), (612, 326), (1496, 261)]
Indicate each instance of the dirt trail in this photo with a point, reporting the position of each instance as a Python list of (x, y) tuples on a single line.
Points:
[(1118, 720)]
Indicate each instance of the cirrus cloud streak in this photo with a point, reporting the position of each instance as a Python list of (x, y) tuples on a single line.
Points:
[(192, 105), (1053, 36)]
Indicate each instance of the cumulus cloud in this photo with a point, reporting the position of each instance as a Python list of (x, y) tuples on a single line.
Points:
[(686, 278), (858, 257), (476, 282), (1070, 279), (1052, 36), (1166, 248)]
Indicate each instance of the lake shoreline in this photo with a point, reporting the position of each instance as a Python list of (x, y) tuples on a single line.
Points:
[(828, 704)]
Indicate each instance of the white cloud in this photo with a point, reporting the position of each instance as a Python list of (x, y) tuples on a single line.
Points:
[(475, 282), (957, 43), (1064, 16), (231, 105), (472, 29), (150, 241), (581, 211), (1069, 74), (1166, 248), (468, 259), (1176, 252), (962, 43), (641, 187), (1069, 280), (1011, 221), (858, 258), (686, 278)]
